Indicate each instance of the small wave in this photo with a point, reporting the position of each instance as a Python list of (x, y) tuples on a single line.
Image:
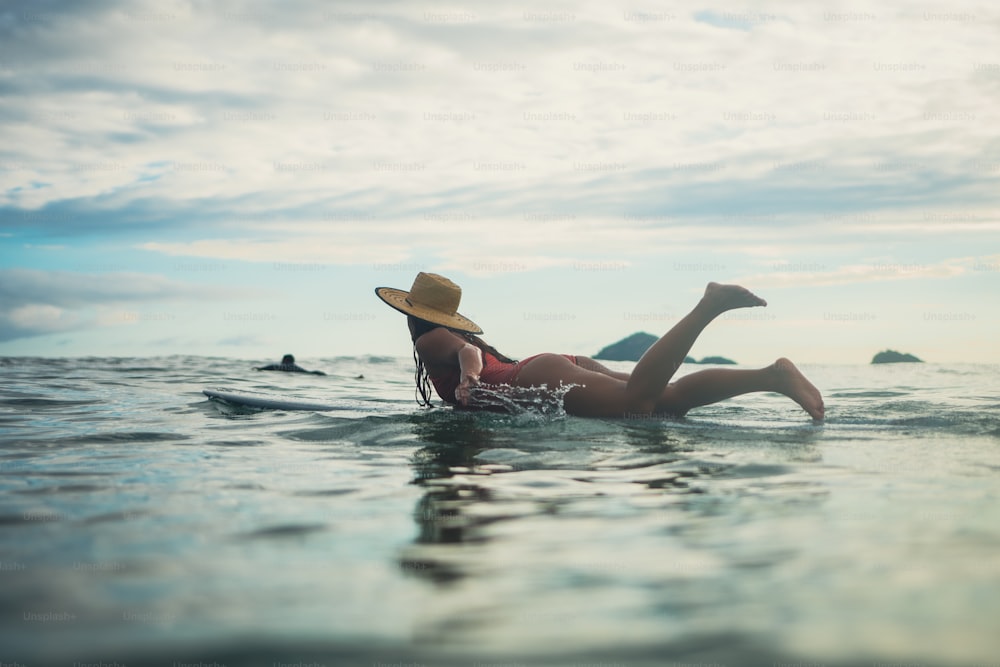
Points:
[(45, 402), (868, 394), (940, 419), (372, 359), (284, 531), (66, 488), (121, 437)]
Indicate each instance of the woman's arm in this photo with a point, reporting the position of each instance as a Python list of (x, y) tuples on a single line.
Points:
[(470, 361), (441, 347)]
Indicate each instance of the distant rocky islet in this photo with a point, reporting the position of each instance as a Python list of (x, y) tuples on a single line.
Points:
[(894, 357), (631, 348)]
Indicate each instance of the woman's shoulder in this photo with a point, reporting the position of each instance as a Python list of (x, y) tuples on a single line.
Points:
[(437, 335), (439, 342)]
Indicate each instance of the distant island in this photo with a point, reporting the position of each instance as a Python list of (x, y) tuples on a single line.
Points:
[(893, 357), (712, 360), (631, 348)]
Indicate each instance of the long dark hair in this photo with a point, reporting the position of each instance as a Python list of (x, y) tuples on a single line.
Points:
[(418, 328)]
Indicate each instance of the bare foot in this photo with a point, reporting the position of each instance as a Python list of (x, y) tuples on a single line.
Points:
[(793, 384), (721, 298)]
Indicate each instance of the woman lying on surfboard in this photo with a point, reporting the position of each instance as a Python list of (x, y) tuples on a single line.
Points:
[(454, 359)]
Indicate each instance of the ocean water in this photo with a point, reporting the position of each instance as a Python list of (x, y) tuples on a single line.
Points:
[(141, 523)]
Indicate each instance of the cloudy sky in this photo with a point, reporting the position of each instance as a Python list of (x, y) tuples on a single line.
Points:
[(235, 178)]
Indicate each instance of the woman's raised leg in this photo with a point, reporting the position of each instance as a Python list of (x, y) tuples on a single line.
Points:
[(606, 393), (654, 370)]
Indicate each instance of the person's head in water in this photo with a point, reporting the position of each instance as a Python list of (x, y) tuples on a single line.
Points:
[(288, 360)]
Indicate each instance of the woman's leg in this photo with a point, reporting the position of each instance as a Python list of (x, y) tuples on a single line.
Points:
[(604, 394), (716, 384), (592, 365), (654, 370)]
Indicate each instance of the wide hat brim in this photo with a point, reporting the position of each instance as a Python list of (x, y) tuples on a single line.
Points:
[(399, 299)]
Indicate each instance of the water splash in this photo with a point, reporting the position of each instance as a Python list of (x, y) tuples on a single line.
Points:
[(541, 401)]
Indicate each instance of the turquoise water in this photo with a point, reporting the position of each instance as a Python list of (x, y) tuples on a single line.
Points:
[(144, 524)]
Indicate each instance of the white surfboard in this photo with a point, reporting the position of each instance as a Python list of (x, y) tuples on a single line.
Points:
[(265, 402)]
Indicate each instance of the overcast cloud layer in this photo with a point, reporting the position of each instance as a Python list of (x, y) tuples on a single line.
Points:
[(790, 145)]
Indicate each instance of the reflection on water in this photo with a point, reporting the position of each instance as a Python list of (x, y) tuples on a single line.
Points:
[(491, 481), (668, 531)]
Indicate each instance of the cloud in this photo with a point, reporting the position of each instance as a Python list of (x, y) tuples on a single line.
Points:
[(245, 341), (485, 139), (786, 273), (35, 303), (35, 319), (201, 111), (299, 250)]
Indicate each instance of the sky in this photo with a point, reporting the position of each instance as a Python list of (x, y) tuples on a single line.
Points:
[(236, 178)]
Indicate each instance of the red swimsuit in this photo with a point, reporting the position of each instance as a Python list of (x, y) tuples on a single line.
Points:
[(494, 372)]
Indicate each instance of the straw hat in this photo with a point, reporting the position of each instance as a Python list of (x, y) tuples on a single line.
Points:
[(433, 298)]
